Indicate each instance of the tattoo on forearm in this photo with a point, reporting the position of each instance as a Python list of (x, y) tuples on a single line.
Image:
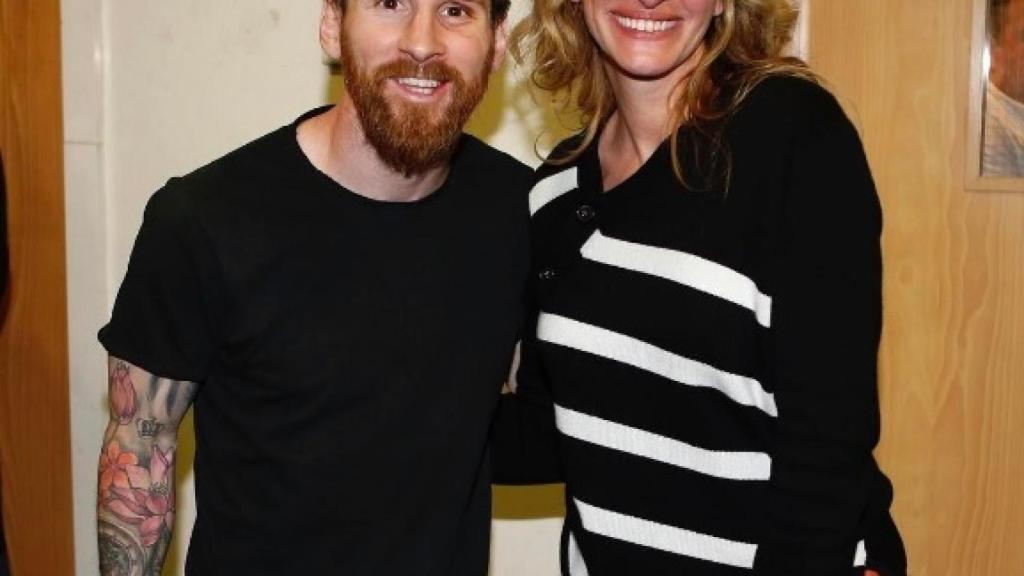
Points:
[(154, 382), (136, 506), (148, 428), (120, 554), (123, 400), (136, 471), (172, 395)]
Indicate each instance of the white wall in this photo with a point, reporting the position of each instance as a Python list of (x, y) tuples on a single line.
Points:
[(87, 254), (154, 89)]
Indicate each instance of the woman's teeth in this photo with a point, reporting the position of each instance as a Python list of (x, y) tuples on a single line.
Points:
[(645, 25)]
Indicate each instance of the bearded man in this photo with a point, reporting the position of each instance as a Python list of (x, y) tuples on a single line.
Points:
[(339, 301)]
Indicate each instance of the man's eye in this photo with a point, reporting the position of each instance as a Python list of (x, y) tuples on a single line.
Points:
[(455, 11)]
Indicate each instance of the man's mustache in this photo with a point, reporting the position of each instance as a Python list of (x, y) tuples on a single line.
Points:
[(437, 71)]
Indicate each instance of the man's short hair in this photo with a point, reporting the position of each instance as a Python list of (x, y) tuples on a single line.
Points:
[(499, 9)]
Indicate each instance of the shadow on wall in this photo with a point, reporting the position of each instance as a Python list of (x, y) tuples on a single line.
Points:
[(528, 502), (510, 106)]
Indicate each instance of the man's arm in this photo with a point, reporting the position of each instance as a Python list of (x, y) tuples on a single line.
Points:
[(135, 509)]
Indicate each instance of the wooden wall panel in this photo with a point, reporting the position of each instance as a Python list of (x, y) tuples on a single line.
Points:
[(952, 360), (35, 462)]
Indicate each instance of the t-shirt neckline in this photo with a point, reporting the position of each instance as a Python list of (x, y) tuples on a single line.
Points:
[(327, 184)]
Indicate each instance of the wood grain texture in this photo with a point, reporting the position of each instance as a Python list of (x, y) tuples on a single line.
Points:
[(952, 361), (35, 461)]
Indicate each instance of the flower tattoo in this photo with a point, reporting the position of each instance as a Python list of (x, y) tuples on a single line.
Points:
[(136, 495), (123, 402)]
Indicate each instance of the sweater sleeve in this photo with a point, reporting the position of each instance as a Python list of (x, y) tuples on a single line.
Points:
[(523, 434), (524, 437), (826, 324)]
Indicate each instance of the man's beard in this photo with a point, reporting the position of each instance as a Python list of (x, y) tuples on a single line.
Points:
[(411, 138)]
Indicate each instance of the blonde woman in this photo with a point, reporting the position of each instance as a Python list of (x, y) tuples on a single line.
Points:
[(708, 301)]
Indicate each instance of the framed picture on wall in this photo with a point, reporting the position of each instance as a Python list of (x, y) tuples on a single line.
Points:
[(995, 118)]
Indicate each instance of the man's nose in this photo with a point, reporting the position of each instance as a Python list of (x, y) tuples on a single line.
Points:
[(421, 39)]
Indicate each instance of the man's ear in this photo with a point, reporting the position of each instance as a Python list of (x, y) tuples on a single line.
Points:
[(330, 30), (500, 45)]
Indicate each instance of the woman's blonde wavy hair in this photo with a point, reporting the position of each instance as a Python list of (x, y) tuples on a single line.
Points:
[(743, 46)]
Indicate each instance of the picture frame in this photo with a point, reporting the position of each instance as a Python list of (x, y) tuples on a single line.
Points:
[(983, 174)]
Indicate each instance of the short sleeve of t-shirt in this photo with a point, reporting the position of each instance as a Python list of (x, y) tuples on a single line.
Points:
[(169, 310)]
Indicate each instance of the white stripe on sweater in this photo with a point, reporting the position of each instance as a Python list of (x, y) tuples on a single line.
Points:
[(552, 187), (686, 269), (728, 465), (664, 537), (627, 350)]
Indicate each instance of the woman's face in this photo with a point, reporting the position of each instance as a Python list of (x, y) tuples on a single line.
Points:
[(650, 39)]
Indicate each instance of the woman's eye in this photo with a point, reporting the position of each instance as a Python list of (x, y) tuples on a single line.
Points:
[(389, 4)]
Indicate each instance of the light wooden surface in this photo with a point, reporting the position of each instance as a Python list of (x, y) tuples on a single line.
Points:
[(953, 349), (35, 461)]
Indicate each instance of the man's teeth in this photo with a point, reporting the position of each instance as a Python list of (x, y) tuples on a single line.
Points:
[(645, 25), (420, 85)]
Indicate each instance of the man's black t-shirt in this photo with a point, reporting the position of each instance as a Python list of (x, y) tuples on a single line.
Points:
[(349, 355)]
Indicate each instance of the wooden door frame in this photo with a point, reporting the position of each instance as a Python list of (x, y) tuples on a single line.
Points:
[(35, 445)]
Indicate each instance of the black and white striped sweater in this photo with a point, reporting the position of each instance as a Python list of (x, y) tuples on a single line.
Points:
[(709, 358)]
